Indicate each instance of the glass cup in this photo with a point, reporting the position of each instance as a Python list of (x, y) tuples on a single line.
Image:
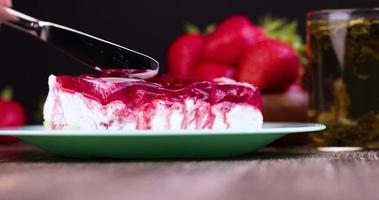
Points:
[(343, 72)]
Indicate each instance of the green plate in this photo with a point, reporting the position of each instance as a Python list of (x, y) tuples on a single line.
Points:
[(142, 144)]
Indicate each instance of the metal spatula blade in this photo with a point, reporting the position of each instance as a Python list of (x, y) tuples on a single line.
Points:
[(87, 49)]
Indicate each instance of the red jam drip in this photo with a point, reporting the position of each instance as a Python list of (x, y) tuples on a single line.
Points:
[(139, 93)]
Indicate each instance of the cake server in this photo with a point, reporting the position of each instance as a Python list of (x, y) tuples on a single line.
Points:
[(87, 49)]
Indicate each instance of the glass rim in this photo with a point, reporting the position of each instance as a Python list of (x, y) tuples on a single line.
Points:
[(325, 12)]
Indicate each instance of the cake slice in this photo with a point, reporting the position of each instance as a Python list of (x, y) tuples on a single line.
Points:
[(92, 103)]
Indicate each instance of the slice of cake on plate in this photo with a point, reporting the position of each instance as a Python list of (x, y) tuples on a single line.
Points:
[(92, 103)]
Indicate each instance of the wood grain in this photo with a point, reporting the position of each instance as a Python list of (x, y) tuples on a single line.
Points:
[(272, 173)]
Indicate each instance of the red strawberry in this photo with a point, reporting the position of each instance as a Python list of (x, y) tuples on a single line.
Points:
[(230, 39), (183, 54), (210, 71), (12, 114), (271, 65)]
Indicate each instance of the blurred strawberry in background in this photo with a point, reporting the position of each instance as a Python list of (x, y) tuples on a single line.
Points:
[(208, 71), (271, 65), (184, 53), (269, 55), (12, 114), (230, 39)]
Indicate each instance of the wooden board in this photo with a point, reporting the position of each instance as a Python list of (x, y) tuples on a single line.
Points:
[(272, 173)]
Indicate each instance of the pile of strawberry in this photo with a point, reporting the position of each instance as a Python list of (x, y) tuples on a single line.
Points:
[(240, 50)]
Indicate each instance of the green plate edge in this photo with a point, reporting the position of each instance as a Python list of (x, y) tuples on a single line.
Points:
[(157, 144)]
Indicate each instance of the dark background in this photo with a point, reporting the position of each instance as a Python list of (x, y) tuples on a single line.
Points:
[(144, 25)]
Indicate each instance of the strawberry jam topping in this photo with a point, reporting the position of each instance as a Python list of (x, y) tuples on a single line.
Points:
[(138, 93)]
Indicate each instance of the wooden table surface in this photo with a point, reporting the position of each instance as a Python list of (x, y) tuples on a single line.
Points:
[(272, 173)]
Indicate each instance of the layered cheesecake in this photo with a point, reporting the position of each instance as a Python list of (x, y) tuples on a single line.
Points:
[(106, 103)]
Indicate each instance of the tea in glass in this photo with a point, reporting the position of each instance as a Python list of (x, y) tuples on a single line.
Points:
[(343, 72)]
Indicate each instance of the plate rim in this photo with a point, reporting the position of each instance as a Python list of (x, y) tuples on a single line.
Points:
[(297, 127)]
